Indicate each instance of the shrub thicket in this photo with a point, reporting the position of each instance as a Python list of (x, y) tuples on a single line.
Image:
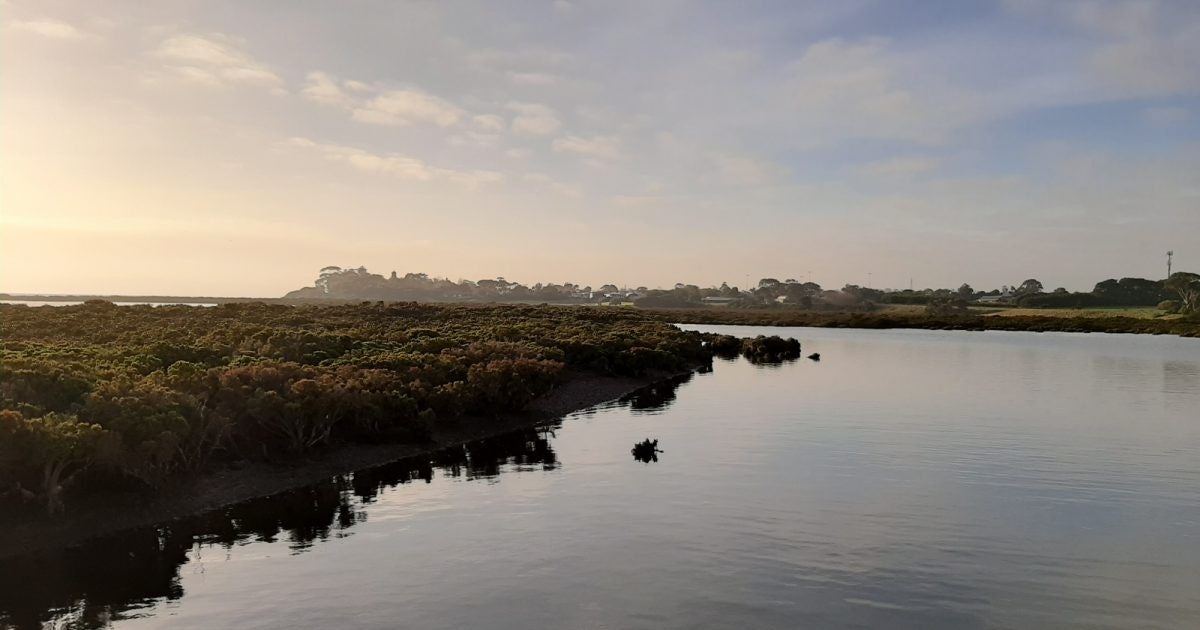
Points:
[(141, 394)]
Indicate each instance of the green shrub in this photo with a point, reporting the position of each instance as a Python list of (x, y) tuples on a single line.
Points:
[(144, 394), (46, 454)]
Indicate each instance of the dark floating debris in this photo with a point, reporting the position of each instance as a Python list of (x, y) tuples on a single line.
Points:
[(816, 356), (646, 451)]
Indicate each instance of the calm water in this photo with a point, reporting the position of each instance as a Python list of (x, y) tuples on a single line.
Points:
[(911, 479)]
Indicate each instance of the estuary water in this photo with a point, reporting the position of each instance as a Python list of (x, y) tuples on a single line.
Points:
[(908, 479)]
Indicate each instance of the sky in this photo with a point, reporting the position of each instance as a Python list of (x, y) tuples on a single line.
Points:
[(212, 147)]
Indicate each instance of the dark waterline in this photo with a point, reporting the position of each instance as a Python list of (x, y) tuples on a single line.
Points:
[(911, 479)]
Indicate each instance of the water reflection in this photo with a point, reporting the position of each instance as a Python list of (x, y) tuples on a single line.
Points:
[(116, 577), (1180, 377), (657, 397)]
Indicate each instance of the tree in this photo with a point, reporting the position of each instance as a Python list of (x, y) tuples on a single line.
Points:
[(1187, 286), (965, 292), (1029, 287), (324, 275), (1130, 292)]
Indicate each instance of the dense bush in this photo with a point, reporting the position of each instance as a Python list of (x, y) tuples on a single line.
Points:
[(773, 349), (40, 456), (141, 394), (725, 346), (946, 307)]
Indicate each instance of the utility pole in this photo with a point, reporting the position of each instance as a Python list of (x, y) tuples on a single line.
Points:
[(1169, 255)]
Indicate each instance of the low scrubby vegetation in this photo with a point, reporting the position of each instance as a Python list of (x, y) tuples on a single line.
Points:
[(98, 395), (760, 349), (773, 349)]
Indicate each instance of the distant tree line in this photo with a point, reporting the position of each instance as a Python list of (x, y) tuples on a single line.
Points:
[(1176, 293)]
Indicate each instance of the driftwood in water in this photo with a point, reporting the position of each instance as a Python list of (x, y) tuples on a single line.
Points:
[(646, 451)]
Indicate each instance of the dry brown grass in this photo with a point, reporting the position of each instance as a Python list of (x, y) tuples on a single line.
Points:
[(1137, 312)]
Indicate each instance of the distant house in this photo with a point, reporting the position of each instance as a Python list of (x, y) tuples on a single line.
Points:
[(1005, 297)]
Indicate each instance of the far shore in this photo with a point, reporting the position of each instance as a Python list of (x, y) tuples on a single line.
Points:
[(227, 485), (1093, 320), (1054, 320)]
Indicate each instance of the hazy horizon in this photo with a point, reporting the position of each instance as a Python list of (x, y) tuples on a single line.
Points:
[(233, 149)]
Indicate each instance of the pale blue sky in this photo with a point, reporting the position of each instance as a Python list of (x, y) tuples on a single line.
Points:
[(236, 147)]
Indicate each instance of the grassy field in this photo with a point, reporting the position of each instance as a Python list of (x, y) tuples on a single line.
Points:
[(1138, 312)]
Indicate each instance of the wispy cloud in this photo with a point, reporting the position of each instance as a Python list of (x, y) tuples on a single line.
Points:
[(406, 107), (861, 89), (594, 147), (531, 78), (382, 106), (561, 188), (488, 122), (900, 168), (395, 164), (215, 59), (322, 88), (1141, 49), (534, 119), (526, 57), (46, 27), (740, 170)]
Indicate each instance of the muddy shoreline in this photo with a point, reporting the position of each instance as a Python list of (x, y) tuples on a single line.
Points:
[(227, 485)]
